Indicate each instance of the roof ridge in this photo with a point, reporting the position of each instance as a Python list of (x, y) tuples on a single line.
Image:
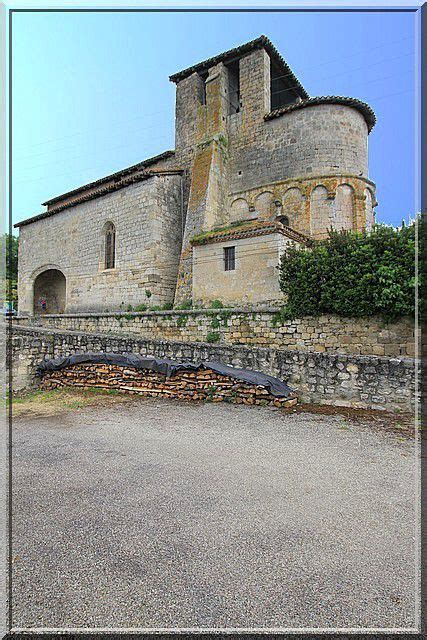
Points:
[(139, 165)]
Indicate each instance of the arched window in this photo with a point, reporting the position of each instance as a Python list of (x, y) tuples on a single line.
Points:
[(284, 220), (110, 246)]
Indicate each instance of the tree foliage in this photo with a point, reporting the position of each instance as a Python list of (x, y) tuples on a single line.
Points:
[(352, 274), (11, 244)]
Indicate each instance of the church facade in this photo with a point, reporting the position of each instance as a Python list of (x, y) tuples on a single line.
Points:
[(258, 164)]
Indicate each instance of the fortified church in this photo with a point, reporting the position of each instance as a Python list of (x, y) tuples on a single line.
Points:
[(257, 164)]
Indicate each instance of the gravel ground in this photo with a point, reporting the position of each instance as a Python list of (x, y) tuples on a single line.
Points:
[(164, 514)]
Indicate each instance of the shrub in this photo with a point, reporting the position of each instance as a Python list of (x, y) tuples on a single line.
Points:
[(216, 304), (352, 274), (141, 307), (182, 321), (167, 306), (215, 322), (212, 336), (184, 306)]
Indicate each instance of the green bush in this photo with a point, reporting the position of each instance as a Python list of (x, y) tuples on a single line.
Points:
[(352, 274), (184, 306), (216, 304), (182, 321), (212, 336), (215, 322), (141, 307)]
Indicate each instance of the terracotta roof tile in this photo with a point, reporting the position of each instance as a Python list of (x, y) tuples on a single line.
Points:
[(123, 172), (364, 108), (259, 43), (247, 230)]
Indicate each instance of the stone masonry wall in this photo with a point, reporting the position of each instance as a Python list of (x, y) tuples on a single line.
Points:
[(330, 334), (342, 380), (256, 261), (148, 226)]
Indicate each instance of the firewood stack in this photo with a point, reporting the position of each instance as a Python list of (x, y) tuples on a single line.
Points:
[(204, 384)]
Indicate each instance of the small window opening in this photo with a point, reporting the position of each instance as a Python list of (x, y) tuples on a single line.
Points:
[(229, 258), (282, 91), (202, 94), (110, 246), (233, 88), (284, 220)]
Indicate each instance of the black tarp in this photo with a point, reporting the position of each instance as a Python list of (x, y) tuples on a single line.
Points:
[(168, 368)]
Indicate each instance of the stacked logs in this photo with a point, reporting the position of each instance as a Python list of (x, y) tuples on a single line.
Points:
[(204, 384)]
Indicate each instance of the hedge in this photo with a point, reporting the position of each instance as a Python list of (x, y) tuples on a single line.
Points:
[(352, 274)]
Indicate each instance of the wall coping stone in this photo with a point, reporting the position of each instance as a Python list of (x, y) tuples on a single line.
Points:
[(213, 311), (337, 357), (136, 314)]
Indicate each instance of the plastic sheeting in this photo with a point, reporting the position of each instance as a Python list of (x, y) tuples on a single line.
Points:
[(168, 368)]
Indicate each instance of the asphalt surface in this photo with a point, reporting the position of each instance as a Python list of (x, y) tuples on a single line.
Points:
[(163, 514)]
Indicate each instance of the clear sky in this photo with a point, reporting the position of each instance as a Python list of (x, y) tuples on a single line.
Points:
[(91, 93)]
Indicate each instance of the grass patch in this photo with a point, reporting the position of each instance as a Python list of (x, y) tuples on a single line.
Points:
[(57, 401)]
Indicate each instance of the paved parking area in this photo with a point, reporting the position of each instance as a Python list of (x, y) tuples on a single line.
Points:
[(163, 514)]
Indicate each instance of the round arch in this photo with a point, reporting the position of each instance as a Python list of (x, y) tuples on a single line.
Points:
[(49, 292)]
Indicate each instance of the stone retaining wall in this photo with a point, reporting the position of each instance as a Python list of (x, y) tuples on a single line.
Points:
[(262, 328), (324, 378)]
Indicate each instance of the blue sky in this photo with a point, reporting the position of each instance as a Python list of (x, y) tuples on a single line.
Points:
[(91, 93)]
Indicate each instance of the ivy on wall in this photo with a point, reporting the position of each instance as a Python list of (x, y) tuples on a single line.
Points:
[(352, 274)]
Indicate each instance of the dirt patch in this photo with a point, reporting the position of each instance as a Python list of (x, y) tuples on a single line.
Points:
[(399, 423)]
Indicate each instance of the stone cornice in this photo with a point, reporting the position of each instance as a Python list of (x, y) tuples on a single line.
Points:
[(299, 181)]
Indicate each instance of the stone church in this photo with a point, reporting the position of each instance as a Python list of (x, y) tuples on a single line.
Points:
[(257, 164)]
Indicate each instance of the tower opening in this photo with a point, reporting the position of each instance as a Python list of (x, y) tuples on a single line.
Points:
[(282, 91), (233, 87)]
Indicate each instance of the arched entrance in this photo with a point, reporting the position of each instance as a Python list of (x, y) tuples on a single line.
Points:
[(49, 292)]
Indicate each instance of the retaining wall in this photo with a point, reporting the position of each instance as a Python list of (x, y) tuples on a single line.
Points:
[(324, 378), (260, 328)]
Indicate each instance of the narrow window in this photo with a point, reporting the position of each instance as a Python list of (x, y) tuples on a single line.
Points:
[(110, 246), (202, 88), (233, 88), (229, 258), (284, 220)]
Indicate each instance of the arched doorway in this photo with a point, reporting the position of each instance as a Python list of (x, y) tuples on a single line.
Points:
[(49, 292)]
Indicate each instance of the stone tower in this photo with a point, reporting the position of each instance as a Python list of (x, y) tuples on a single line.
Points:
[(256, 146)]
